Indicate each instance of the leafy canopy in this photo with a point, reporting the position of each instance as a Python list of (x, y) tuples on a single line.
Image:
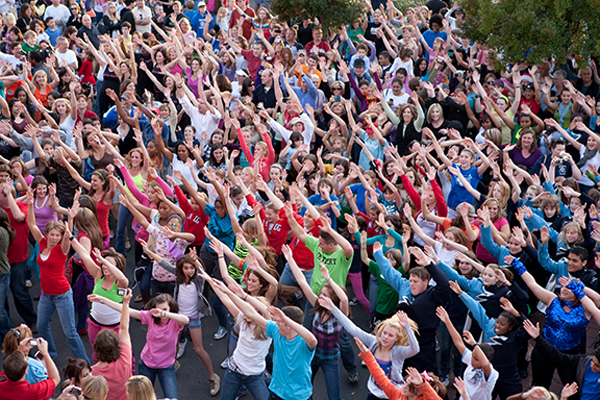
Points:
[(535, 29), (330, 13)]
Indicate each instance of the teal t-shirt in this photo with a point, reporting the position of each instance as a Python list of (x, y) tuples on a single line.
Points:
[(291, 366)]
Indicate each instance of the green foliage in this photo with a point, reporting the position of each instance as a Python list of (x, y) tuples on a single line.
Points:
[(402, 5), (330, 13), (540, 28)]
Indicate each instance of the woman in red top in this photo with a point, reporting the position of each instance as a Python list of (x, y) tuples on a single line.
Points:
[(39, 84), (102, 190), (56, 291), (264, 153)]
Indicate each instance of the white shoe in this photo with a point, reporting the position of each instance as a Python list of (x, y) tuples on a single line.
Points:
[(181, 348)]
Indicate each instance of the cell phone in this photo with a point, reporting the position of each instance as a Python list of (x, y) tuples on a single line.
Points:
[(32, 342), (75, 391), (337, 97), (121, 292), (38, 354)]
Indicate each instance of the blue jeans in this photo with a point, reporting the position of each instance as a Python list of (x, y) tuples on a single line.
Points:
[(4, 319), (347, 352), (166, 377), (331, 373), (63, 303), (233, 381), (288, 279), (23, 302), (124, 215)]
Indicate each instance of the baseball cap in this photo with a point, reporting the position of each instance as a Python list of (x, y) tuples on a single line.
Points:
[(202, 3), (295, 120)]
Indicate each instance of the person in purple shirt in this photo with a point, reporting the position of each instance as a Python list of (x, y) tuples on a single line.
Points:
[(525, 152)]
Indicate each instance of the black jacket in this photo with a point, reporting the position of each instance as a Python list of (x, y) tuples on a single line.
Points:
[(571, 368)]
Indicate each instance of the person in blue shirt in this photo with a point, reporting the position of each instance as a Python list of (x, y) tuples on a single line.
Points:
[(200, 20), (367, 181), (52, 31), (436, 23), (458, 193), (582, 369), (328, 202), (294, 349)]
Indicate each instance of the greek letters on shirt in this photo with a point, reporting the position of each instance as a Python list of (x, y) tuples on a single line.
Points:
[(276, 227), (196, 220)]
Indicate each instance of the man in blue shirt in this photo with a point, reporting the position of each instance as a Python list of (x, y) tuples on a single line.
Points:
[(199, 20), (435, 31)]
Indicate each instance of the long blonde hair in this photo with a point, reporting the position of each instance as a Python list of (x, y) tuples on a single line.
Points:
[(394, 323)]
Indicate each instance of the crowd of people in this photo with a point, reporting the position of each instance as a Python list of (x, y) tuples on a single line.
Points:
[(281, 176)]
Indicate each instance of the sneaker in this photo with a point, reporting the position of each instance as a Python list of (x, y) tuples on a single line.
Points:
[(444, 379), (221, 333), (181, 348), (353, 377), (353, 302), (215, 385), (28, 283), (83, 331), (225, 363)]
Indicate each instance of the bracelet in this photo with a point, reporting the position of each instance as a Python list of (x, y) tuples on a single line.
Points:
[(163, 314), (246, 298), (71, 238), (221, 256)]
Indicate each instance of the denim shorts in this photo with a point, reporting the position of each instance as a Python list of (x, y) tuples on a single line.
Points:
[(195, 322)]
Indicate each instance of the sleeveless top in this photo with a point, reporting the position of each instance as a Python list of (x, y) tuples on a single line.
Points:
[(564, 329), (43, 98), (138, 180), (43, 214), (106, 159), (103, 210), (52, 270), (101, 313)]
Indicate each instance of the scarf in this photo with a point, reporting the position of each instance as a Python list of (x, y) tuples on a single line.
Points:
[(563, 114)]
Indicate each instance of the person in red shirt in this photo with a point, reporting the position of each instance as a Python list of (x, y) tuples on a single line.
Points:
[(317, 46), (235, 16), (12, 379), (56, 291), (195, 220), (82, 108), (255, 56), (17, 254), (305, 259), (275, 223)]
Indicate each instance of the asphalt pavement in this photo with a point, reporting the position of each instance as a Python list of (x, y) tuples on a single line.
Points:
[(192, 379)]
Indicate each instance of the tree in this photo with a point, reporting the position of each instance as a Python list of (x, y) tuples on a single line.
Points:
[(330, 13), (534, 29)]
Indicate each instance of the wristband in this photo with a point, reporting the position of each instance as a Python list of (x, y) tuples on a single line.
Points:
[(518, 266), (71, 238), (577, 288)]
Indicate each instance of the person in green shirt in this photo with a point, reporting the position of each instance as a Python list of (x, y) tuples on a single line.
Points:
[(387, 296), (331, 249), (30, 42)]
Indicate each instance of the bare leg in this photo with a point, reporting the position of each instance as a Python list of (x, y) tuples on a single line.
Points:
[(196, 335)]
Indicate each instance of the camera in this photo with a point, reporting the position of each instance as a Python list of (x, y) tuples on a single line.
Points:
[(121, 292), (32, 342), (75, 391)]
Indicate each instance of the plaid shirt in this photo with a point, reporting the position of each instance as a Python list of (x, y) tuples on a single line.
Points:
[(328, 334)]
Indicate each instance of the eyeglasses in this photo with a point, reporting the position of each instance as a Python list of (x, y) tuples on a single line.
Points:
[(338, 88), (251, 84), (490, 82)]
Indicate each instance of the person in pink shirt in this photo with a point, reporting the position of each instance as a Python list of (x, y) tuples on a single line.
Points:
[(164, 322), (113, 350), (264, 153)]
